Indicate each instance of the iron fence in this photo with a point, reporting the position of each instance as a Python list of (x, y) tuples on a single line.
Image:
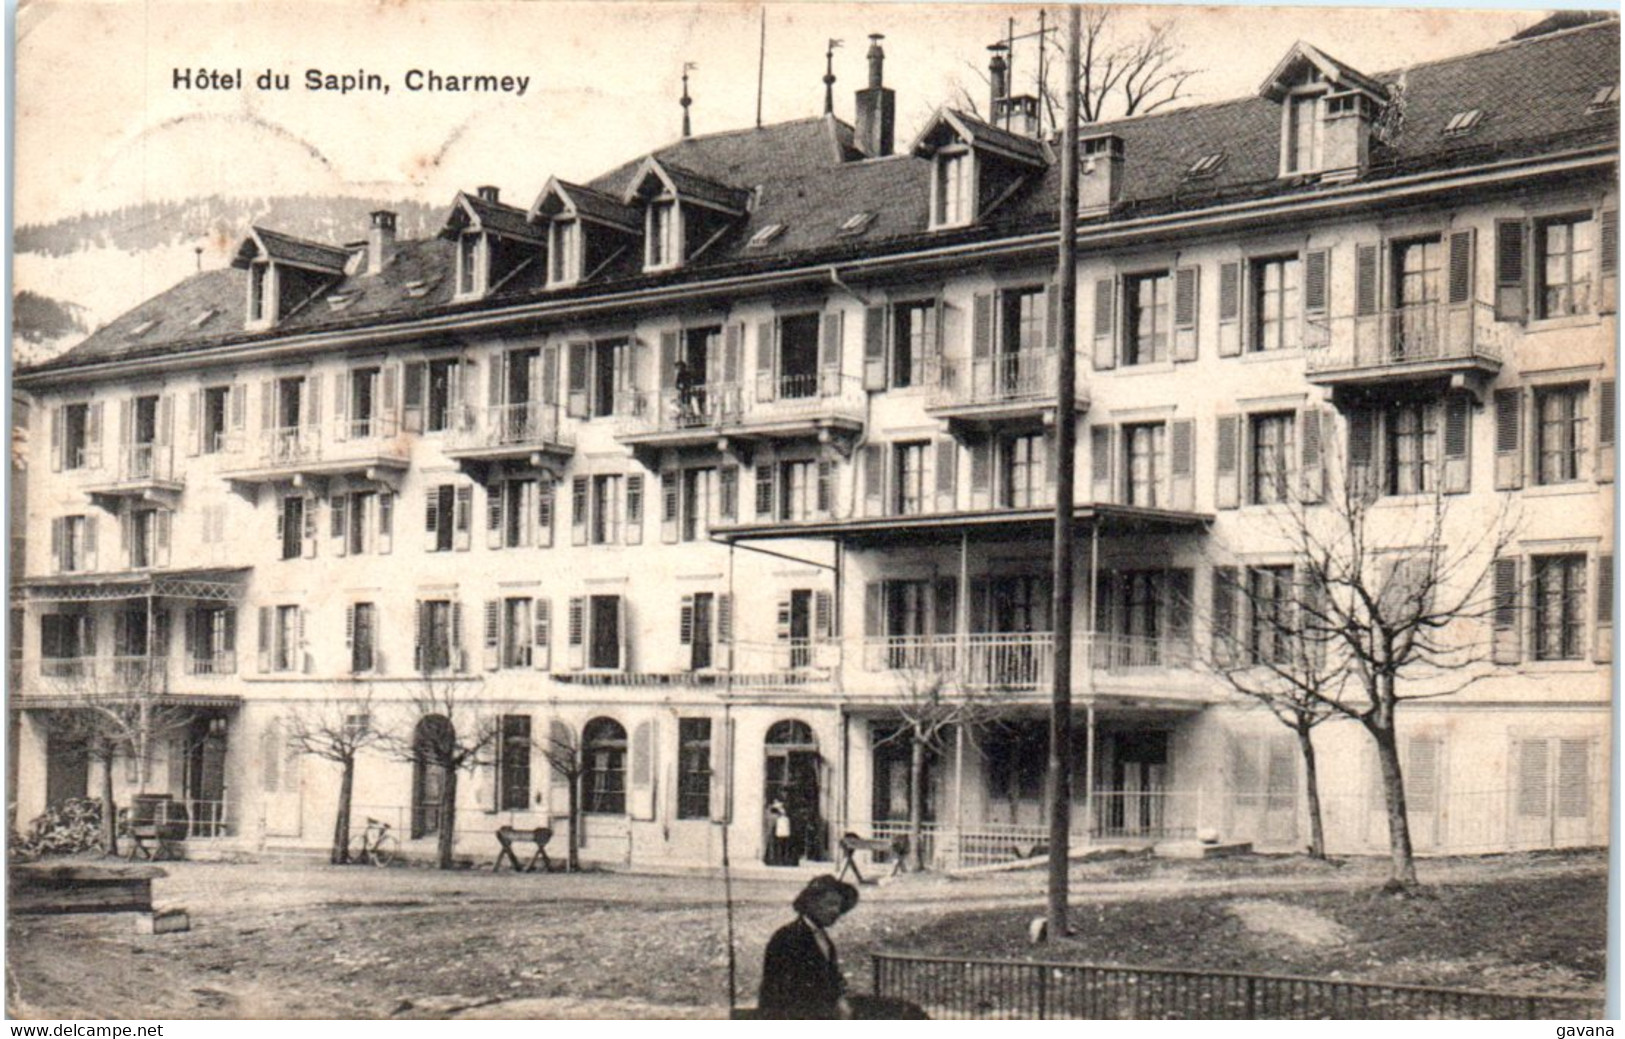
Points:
[(1013, 989)]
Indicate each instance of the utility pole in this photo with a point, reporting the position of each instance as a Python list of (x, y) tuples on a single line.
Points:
[(1066, 429)]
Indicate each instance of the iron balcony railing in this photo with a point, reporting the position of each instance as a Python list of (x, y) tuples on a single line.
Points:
[(140, 463), (707, 406), (1018, 660), (371, 427), (1417, 334), (517, 425), (346, 440), (222, 663), (814, 395), (104, 675), (996, 379)]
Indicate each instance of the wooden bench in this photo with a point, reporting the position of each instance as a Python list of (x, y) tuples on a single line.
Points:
[(851, 844), (40, 888), (508, 836)]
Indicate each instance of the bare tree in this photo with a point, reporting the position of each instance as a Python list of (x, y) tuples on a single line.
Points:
[(337, 730), (1120, 72), (1379, 608), (440, 727), (562, 749)]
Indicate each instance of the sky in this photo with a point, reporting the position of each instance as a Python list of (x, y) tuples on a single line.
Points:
[(99, 123)]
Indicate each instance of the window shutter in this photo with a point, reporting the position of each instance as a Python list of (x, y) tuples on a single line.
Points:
[(641, 801), (56, 439), (263, 645), (349, 626), (1182, 464), (578, 510), (341, 405), (823, 615), (1608, 262), (492, 643), (1317, 283), (981, 328), (874, 479), (93, 436), (1105, 344), (1100, 464), (308, 511), (1507, 613), (386, 522), (1312, 451), (1605, 610), (414, 391), (725, 629), (1573, 779), (1365, 280), (947, 472), (161, 534), (832, 340), (1362, 474), (576, 380), (944, 605), (1458, 417), (874, 609), (765, 365), (541, 650), (1508, 440), (1179, 609), (493, 513), (1225, 615), (1607, 415), (668, 360), (388, 377), (1511, 270), (669, 484), (764, 491), (825, 498), (459, 659), (874, 348), (1187, 310), (1227, 463), (1462, 254), (728, 492), (312, 390), (420, 628), (634, 509), (685, 627), (194, 424), (546, 496), (733, 349), (981, 474), (1230, 309)]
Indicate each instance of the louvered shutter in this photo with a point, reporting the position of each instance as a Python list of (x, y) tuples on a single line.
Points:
[(541, 648), (1604, 652), (161, 522), (194, 423), (1607, 415), (1101, 462), (1608, 262), (414, 392), (634, 509), (546, 503), (578, 510), (386, 522), (263, 645), (494, 494), (1230, 309), (1182, 464), (722, 751), (765, 362), (668, 360), (947, 462), (722, 656), (669, 502), (1463, 252), (832, 341), (1312, 453), (944, 607), (685, 629), (459, 656), (576, 379), (1179, 608), (492, 642), (93, 436), (341, 405), (56, 439), (874, 609), (1225, 615), (1187, 311), (874, 479), (981, 330), (1573, 778), (1458, 417), (1363, 483), (1509, 450), (308, 510), (981, 474), (733, 350), (641, 788), (1317, 284), (824, 499), (1507, 612), (823, 615), (728, 492), (874, 348), (1366, 284), (1105, 319), (764, 491), (1227, 462), (1511, 270)]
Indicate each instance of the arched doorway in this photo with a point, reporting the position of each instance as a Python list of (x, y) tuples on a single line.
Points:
[(791, 766), (431, 740), (603, 744)]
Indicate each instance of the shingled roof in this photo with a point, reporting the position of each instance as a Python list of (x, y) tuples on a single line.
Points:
[(301, 252), (497, 217), (1535, 96)]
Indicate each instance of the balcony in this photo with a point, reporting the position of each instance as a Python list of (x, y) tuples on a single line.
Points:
[(211, 665), (1455, 344), (673, 418), (806, 665), (103, 676), (145, 472), (824, 406), (1003, 388), (370, 448), (526, 431)]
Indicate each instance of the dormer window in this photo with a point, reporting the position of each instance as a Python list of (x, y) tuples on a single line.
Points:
[(1328, 111), (564, 253), (470, 276), (259, 283), (285, 274), (955, 188), (664, 235), (1305, 134)]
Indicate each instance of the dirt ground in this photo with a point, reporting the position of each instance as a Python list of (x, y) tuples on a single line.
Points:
[(302, 940)]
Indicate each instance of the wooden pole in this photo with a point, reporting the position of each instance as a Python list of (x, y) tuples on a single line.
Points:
[(1066, 429)]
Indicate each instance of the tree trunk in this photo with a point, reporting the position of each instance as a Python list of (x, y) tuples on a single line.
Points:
[(1311, 790), (572, 855), (916, 802), (1402, 865), (340, 853), (109, 809), (448, 820)]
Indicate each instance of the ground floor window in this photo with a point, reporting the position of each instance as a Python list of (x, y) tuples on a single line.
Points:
[(604, 750), (693, 768)]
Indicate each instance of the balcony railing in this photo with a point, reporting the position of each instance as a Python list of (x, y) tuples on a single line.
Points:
[(704, 407), (140, 463), (351, 440), (105, 675), (1025, 375), (369, 428), (1422, 334), (223, 663), (527, 424), (820, 395), (1017, 660)]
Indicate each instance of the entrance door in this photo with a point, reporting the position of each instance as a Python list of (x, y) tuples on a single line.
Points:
[(791, 768), (801, 628), (1133, 804), (205, 783), (428, 775), (67, 769)]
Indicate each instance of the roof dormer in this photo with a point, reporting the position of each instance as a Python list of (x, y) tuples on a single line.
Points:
[(586, 229), (494, 242), (284, 273), (683, 212), (975, 166), (1327, 113)]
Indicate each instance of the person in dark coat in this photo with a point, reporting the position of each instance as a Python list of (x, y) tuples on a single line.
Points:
[(801, 973)]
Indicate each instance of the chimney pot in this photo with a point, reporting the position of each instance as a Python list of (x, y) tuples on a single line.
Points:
[(488, 192), (998, 88), (876, 108), (877, 59), (380, 240)]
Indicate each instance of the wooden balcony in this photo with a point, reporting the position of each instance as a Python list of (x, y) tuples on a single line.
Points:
[(1456, 345)]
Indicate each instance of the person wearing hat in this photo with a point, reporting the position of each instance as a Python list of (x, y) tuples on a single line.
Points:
[(801, 974)]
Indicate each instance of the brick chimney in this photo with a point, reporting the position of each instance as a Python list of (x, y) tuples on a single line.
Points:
[(997, 78), (1100, 173), (488, 192), (876, 106), (1346, 146), (380, 240)]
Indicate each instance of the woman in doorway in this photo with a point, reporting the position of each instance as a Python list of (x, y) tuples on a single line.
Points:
[(778, 852)]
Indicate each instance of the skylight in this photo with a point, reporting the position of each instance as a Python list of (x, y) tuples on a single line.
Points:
[(1206, 166), (1607, 97), (143, 328), (339, 300), (1462, 123), (857, 223), (203, 318), (765, 235), (421, 287)]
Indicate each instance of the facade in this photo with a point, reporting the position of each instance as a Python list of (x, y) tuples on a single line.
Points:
[(710, 466)]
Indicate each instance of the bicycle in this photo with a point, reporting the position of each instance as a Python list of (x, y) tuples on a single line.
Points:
[(378, 845)]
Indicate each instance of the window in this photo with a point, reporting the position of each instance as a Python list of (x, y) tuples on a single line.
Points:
[(363, 404), (664, 235), (1560, 597), (258, 296), (606, 518), (909, 465), (448, 510), (439, 638), (286, 638), (1565, 248), (564, 253), (1417, 281), (765, 235), (913, 340), (1021, 317), (1206, 166), (148, 533), (291, 528), (693, 768), (513, 763), (363, 637), (1269, 602), (215, 401), (76, 436), (596, 632), (955, 196), (699, 497), (1304, 134), (604, 747), (1276, 284), (512, 513), (1271, 469), (65, 639), (468, 264), (908, 612), (1462, 123), (1145, 462), (1560, 433), (517, 632), (445, 391), (596, 372), (703, 623), (1412, 448), (359, 514), (798, 356), (1148, 323), (1024, 473), (211, 636), (77, 543)]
